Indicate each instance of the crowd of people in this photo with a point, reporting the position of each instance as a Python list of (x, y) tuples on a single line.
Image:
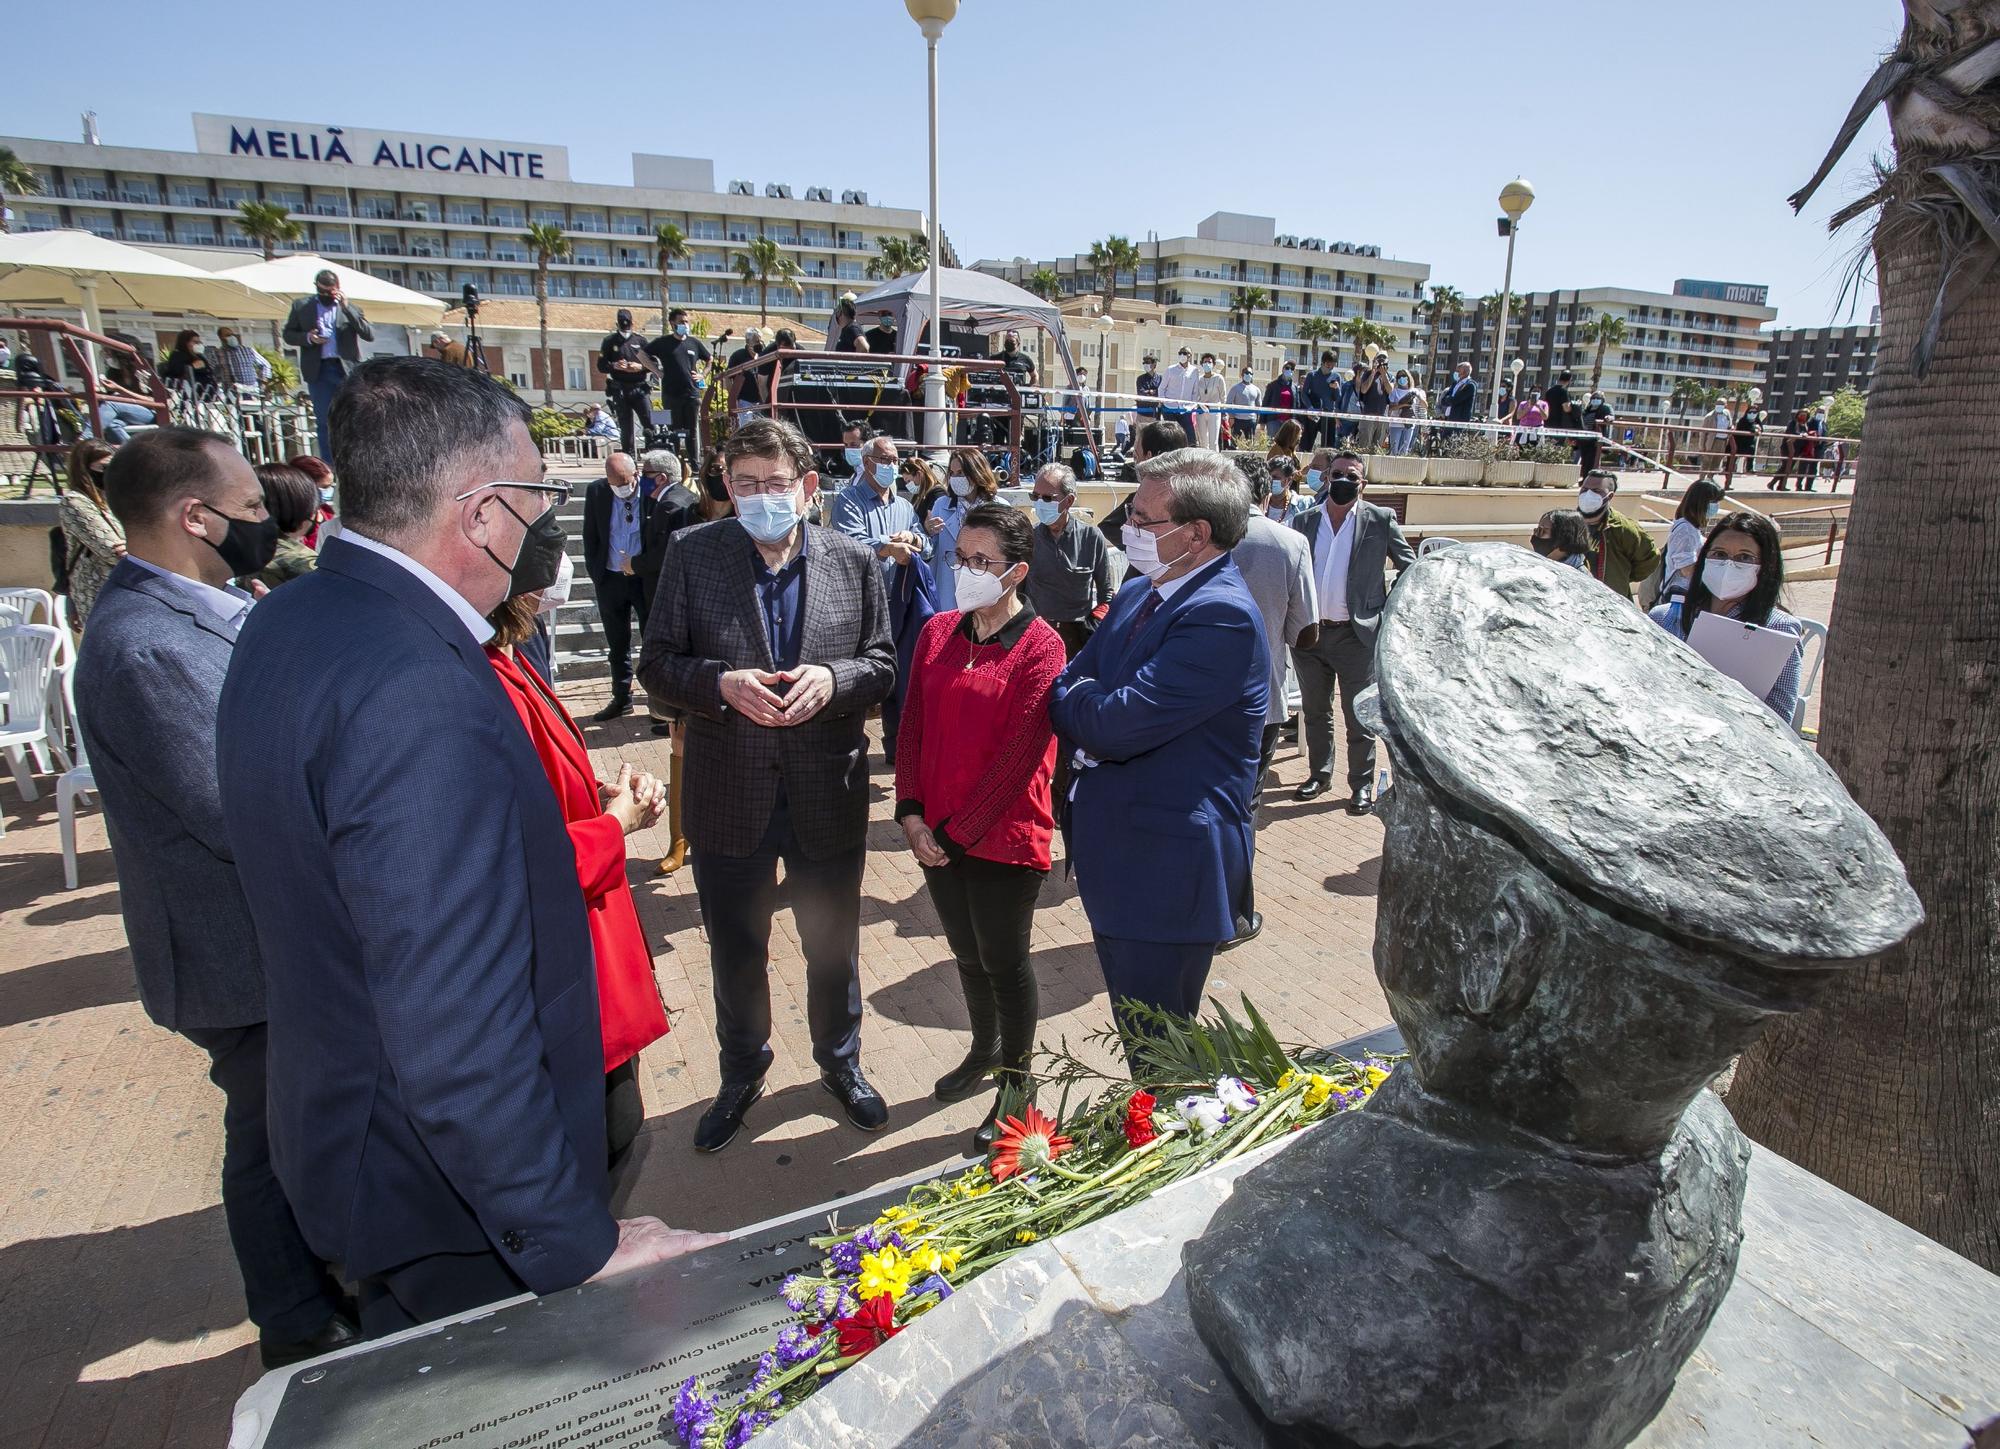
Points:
[(284, 702)]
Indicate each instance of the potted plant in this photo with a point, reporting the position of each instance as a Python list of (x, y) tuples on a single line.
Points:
[(1462, 461), (1510, 468)]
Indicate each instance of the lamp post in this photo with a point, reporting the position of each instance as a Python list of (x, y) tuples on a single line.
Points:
[(1515, 198), (932, 16), (1103, 335)]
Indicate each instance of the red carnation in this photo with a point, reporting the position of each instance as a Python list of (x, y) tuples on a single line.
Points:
[(1139, 1119), (870, 1328)]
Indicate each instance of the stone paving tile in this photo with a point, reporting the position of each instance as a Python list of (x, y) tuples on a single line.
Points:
[(121, 1317)]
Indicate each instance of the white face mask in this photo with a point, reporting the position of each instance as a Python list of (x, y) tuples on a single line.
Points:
[(1142, 550), (1589, 502), (1728, 578), (1207, 368), (885, 476), (960, 485), (625, 490), (977, 589)]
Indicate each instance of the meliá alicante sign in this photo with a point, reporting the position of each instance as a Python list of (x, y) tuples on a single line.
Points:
[(382, 150)]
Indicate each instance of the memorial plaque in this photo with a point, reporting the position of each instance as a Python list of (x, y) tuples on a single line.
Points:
[(589, 1368)]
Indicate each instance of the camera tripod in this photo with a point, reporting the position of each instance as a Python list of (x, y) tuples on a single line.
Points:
[(475, 350)]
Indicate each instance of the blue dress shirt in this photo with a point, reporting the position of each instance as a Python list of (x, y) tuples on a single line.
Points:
[(781, 595)]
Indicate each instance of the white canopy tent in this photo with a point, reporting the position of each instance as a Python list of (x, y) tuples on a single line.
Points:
[(385, 302), (985, 304), (82, 270)]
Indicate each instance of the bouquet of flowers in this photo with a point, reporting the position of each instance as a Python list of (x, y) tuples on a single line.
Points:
[(1201, 1093)]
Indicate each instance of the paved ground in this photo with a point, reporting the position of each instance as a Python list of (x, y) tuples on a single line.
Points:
[(121, 1316)]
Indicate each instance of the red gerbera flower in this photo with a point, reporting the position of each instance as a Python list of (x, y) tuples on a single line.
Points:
[(870, 1328), (1025, 1143), (1139, 1119)]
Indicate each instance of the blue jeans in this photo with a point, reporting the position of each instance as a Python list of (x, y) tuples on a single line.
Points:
[(332, 373), (113, 416)]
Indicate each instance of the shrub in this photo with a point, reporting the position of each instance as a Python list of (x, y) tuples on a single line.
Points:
[(549, 423)]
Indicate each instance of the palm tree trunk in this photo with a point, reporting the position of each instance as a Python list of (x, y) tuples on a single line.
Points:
[(1888, 1090), (542, 316), (1597, 368), (663, 300), (764, 301)]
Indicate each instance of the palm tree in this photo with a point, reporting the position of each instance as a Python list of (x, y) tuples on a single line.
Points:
[(1108, 258), (766, 262), (1315, 332), (1909, 713), (18, 177), (1044, 283), (546, 240), (1360, 331), (670, 248), (270, 225), (899, 256), (1606, 331), (1445, 302), (1246, 301)]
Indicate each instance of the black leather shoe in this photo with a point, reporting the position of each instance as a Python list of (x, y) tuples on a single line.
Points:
[(982, 1140), (340, 1331), (662, 728), (724, 1118), (1363, 801), (965, 1079), (865, 1107), (1312, 789), (621, 704), (1245, 931)]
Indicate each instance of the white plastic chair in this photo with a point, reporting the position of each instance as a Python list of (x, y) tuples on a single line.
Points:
[(1809, 667), (19, 605), (75, 781), (1433, 544), (27, 659)]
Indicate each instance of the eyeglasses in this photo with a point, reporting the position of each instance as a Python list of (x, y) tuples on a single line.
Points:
[(985, 565), (557, 494), (775, 484)]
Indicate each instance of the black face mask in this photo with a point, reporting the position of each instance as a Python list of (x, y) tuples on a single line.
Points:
[(1543, 545), (713, 485), (249, 544), (539, 562), (1342, 491)]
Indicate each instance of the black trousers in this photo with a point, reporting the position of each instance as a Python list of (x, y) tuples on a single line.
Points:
[(619, 598), (738, 895), (987, 909), (1308, 435), (427, 1289), (685, 413), (624, 1112), (290, 1293), (634, 407)]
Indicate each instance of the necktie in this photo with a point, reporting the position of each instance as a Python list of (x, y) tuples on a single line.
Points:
[(1146, 611)]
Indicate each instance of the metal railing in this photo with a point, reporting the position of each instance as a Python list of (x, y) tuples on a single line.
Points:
[(49, 403)]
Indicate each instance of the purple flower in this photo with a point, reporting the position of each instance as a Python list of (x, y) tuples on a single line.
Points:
[(797, 1293), (767, 1368), (795, 1346), (694, 1413), (846, 1257), (934, 1284), (867, 1240), (740, 1432)]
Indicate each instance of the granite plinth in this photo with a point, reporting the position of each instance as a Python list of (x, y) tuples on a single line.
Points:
[(1843, 1329)]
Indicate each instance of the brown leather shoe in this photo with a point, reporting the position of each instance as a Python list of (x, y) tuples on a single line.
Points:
[(675, 858)]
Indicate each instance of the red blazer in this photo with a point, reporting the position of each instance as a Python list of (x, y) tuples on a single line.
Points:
[(628, 998)]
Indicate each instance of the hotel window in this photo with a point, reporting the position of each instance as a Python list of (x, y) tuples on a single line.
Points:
[(233, 195), (550, 216), (464, 213), (707, 293), (506, 215), (189, 193), (292, 198), (704, 228), (631, 223), (588, 220)]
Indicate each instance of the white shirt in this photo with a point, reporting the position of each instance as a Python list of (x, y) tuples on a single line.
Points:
[(1720, 420), (1209, 388), (229, 606), (1331, 553), (325, 316), (476, 626), (1177, 384)]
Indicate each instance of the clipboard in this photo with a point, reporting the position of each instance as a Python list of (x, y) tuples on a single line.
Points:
[(1750, 654)]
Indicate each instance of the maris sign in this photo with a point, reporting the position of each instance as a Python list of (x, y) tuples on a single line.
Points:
[(378, 150)]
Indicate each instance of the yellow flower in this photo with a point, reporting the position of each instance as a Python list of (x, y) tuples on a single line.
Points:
[(1318, 1089), (1375, 1075), (1026, 1235), (923, 1260), (1291, 1075), (951, 1260), (885, 1272)]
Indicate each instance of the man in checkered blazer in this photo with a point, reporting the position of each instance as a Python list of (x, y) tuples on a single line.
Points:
[(772, 636)]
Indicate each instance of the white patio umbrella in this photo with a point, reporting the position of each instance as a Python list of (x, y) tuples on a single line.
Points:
[(81, 269), (292, 277)]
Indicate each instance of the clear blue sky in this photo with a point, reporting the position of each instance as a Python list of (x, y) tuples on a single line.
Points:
[(1732, 101)]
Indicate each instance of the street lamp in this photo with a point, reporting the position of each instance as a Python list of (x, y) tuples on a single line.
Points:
[(1515, 199), (932, 16)]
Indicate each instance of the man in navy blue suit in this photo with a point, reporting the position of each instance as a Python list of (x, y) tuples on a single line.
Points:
[(436, 1086), (1162, 713)]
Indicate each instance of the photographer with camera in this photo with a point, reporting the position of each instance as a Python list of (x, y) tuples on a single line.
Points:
[(628, 370), (1371, 396)]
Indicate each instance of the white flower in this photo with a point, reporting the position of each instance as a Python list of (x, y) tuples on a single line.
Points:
[(1236, 1095), (1202, 1114)]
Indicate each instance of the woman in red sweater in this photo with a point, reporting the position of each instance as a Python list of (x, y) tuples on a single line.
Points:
[(973, 765), (630, 1012)]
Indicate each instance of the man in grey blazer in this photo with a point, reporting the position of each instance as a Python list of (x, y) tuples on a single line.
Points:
[(772, 635), (149, 675), (328, 331), (1352, 542)]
